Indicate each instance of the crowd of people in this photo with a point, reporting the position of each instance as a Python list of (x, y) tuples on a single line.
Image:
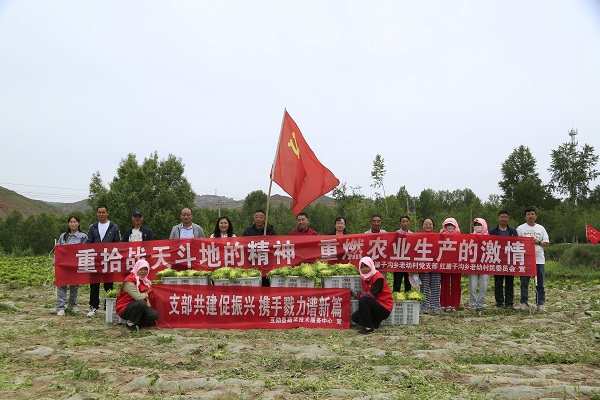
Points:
[(442, 290)]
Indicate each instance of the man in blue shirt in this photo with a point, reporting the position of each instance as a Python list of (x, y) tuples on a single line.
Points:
[(187, 229)]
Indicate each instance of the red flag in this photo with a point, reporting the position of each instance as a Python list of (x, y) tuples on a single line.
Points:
[(297, 170), (593, 235)]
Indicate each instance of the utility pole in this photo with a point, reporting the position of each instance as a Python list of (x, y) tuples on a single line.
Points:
[(219, 203)]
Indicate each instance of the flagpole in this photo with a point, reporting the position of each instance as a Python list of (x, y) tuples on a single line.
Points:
[(271, 174)]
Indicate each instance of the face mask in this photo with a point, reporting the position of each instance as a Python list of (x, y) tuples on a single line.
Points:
[(478, 229), (450, 228)]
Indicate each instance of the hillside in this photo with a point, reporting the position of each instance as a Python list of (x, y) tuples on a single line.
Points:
[(69, 208), (213, 202), (10, 201)]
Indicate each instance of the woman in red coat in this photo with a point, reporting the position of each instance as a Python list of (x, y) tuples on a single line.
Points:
[(132, 303), (375, 302), (450, 288)]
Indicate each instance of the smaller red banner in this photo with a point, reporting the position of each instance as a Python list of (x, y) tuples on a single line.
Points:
[(234, 307), (593, 235)]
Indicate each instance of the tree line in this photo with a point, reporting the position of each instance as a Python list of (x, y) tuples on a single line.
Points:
[(159, 188)]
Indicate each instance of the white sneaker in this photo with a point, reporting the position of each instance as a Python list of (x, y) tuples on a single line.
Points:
[(92, 312), (75, 309), (522, 306), (60, 312), (541, 308)]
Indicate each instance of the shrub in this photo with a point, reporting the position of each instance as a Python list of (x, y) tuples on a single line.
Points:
[(587, 255), (556, 251)]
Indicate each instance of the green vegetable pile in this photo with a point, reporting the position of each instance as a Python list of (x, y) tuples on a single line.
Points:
[(232, 273), (411, 295), (304, 270), (111, 294), (311, 271), (169, 272), (337, 270)]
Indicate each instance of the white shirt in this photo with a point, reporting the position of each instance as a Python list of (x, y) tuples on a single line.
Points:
[(537, 232), (136, 235), (102, 228)]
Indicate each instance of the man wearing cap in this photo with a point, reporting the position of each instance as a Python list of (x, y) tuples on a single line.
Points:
[(138, 233)]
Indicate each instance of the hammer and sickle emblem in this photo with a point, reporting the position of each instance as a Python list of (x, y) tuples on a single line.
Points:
[(294, 145)]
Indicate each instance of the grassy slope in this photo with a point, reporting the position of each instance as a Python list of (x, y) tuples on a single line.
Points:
[(10, 201)]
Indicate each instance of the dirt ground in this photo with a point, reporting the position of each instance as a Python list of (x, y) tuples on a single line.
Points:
[(496, 353)]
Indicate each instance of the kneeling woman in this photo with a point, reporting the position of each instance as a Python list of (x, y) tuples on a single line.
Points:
[(375, 302), (132, 302)]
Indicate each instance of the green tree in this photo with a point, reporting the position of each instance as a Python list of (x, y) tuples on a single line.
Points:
[(593, 200), (157, 187), (521, 184), (39, 233), (572, 171), (378, 173), (11, 236), (428, 204), (353, 206), (256, 200)]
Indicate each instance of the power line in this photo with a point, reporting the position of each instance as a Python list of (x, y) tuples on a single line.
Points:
[(38, 186)]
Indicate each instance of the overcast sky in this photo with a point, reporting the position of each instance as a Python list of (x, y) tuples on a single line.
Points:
[(443, 90)]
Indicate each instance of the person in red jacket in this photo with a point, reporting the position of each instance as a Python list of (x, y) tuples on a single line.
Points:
[(132, 302), (375, 301), (450, 286)]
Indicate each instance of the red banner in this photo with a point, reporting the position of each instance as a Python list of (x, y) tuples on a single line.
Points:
[(235, 307), (593, 236), (392, 252)]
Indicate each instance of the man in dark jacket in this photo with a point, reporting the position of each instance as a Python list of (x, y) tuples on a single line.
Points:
[(103, 231), (139, 232), (505, 295), (258, 228)]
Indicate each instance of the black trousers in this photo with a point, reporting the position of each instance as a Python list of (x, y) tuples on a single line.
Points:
[(504, 290), (398, 277), (370, 313), (95, 293), (140, 313)]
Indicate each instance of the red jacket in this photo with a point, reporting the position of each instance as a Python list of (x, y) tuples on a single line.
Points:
[(124, 299), (385, 296)]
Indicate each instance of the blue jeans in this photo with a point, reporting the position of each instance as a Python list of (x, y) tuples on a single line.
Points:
[(541, 293), (62, 296)]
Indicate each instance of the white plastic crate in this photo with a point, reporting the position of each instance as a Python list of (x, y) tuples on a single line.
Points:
[(347, 282), (404, 313), (111, 312), (194, 280), (171, 280), (291, 281), (353, 309), (276, 281), (255, 281)]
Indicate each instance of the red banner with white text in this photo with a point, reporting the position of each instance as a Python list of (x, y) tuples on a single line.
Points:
[(593, 236), (392, 252), (247, 307)]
